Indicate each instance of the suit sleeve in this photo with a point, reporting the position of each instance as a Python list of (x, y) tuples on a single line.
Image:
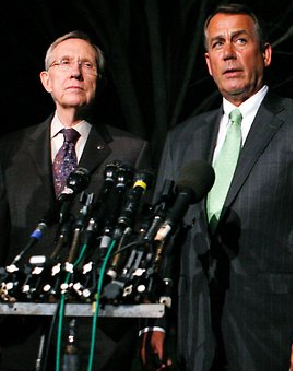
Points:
[(143, 160), (4, 219), (166, 167)]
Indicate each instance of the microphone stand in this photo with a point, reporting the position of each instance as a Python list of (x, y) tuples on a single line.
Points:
[(81, 220)]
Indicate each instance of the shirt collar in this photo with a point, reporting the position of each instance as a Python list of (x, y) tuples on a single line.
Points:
[(251, 105), (82, 127)]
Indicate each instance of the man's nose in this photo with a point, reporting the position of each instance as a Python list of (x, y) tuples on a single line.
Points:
[(229, 51), (76, 68)]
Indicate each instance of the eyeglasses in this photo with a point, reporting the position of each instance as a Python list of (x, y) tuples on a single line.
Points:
[(68, 64)]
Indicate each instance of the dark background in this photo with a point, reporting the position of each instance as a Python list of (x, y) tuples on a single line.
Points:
[(155, 67)]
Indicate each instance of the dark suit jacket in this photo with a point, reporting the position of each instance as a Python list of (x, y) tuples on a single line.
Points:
[(26, 191), (236, 287)]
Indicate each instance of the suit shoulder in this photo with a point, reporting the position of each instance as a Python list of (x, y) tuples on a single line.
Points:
[(288, 104), (120, 134), (14, 137), (12, 143), (20, 134), (277, 104), (193, 124)]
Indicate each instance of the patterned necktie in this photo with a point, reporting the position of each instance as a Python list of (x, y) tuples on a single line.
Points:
[(224, 166), (65, 161)]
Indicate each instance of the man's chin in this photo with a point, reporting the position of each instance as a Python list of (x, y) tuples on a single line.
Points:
[(239, 94), (74, 104), (235, 90)]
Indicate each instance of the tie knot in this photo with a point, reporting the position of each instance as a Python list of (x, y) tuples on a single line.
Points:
[(235, 116), (70, 135)]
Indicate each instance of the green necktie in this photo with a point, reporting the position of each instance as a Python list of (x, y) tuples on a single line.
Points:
[(224, 167)]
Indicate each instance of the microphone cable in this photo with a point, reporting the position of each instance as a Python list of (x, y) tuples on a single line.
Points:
[(61, 307), (61, 310), (43, 364), (96, 304)]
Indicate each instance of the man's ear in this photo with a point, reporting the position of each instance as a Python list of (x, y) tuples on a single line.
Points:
[(207, 59), (267, 54), (45, 80)]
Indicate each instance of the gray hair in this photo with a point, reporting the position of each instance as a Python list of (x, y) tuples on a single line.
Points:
[(237, 9), (76, 34)]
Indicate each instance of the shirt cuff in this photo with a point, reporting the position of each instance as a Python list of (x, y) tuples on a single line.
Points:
[(151, 329)]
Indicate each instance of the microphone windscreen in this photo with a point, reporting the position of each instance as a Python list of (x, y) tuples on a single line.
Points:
[(197, 176), (78, 180)]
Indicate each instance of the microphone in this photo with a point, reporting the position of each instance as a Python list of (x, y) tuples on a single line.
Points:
[(98, 210), (77, 182), (115, 200), (194, 183), (110, 178), (58, 211), (160, 208), (143, 180), (50, 218), (80, 220)]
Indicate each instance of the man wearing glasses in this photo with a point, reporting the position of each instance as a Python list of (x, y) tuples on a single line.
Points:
[(33, 177)]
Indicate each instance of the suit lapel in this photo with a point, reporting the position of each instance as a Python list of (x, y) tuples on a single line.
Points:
[(39, 152), (203, 139), (202, 146), (95, 150), (210, 137), (263, 129)]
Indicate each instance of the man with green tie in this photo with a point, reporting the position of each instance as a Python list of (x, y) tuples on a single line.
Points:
[(235, 288)]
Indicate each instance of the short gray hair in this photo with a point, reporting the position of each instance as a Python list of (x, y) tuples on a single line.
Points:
[(77, 34), (237, 9)]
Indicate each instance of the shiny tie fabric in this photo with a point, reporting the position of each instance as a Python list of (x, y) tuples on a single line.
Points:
[(65, 161), (224, 166)]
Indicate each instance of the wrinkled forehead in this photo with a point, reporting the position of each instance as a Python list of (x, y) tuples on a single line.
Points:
[(77, 49), (223, 24)]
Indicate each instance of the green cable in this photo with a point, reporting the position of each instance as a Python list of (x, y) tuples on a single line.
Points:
[(61, 311), (60, 322), (99, 288)]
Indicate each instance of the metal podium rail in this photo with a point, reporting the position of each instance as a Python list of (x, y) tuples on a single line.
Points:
[(84, 310)]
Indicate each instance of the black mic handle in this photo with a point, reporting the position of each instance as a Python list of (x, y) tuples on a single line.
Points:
[(167, 273), (35, 237), (142, 181), (30, 244), (176, 213), (63, 239), (90, 232), (113, 207), (64, 211), (120, 255), (110, 176), (80, 221), (130, 209), (74, 246), (114, 289), (152, 231)]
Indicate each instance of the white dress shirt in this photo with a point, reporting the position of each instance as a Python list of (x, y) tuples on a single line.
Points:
[(82, 127), (248, 110)]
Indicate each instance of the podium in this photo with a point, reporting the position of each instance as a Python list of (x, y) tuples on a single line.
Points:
[(83, 310), (80, 310)]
